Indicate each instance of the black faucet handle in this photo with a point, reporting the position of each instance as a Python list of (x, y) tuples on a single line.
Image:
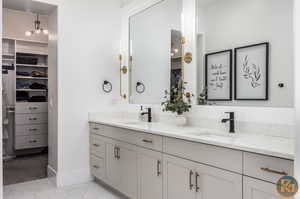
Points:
[(231, 114)]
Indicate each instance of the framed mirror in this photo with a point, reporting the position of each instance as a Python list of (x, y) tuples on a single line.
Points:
[(259, 33), (155, 51)]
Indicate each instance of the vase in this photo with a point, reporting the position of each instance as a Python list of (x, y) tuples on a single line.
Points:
[(180, 120)]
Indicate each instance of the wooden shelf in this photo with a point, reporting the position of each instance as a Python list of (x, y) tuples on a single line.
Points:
[(32, 66), (29, 77), (32, 90), (8, 55), (32, 53)]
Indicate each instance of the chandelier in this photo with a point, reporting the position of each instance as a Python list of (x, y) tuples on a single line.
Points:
[(37, 28)]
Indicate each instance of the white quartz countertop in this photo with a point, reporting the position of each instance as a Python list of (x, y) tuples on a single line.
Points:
[(257, 143)]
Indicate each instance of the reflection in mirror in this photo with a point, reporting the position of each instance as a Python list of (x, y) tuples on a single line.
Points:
[(176, 60), (230, 24), (155, 48)]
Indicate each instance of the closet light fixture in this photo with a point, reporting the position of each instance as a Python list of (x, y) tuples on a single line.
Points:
[(37, 28)]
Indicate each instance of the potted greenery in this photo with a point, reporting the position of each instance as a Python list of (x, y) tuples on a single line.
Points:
[(178, 101)]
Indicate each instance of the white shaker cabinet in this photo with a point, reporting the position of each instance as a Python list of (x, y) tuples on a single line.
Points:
[(186, 179), (150, 174), (121, 167), (213, 183), (257, 189), (147, 166), (179, 178)]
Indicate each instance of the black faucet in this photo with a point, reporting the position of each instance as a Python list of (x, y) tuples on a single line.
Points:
[(149, 113), (231, 120)]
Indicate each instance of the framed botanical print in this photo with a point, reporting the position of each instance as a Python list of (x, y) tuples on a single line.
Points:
[(251, 72), (218, 76)]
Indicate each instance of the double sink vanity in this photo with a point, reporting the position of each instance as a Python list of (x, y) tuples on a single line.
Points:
[(155, 160), (204, 57)]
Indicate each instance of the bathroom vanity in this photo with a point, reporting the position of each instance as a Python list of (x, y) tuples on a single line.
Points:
[(146, 161)]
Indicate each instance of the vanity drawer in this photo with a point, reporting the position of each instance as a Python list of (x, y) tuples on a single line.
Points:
[(146, 140), (31, 107), (29, 142), (97, 146), (267, 168), (97, 166), (22, 130), (149, 141), (96, 128), (31, 118), (220, 157)]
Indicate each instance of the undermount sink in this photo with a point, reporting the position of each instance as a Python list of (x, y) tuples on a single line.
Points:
[(133, 123), (212, 135)]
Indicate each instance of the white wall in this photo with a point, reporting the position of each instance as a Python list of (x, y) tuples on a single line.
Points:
[(88, 45), (25, 22), (52, 95), (228, 24)]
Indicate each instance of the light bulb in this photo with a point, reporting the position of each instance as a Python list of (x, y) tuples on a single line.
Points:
[(37, 31), (176, 50), (28, 33), (46, 32)]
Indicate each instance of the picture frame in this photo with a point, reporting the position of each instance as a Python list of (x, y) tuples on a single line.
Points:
[(218, 75), (251, 65)]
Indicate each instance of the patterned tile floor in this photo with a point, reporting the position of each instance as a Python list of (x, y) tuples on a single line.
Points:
[(43, 189)]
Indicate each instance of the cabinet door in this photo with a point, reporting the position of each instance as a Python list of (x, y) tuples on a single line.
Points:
[(257, 189), (129, 176), (113, 166), (150, 178), (179, 178), (213, 183)]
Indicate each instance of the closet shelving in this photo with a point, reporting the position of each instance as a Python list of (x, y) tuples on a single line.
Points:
[(29, 61)]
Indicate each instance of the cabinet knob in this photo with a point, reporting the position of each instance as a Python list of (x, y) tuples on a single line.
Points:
[(96, 145), (33, 119), (96, 167)]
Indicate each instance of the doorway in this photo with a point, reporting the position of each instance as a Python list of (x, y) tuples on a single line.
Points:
[(29, 94)]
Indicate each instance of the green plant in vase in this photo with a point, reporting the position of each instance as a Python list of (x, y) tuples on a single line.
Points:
[(177, 100)]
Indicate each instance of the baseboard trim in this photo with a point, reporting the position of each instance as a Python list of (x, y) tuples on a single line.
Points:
[(74, 177), (52, 175)]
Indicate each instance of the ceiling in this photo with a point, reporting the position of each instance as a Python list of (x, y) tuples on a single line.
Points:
[(29, 6)]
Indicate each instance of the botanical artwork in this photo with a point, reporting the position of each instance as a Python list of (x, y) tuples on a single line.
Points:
[(251, 72), (218, 75)]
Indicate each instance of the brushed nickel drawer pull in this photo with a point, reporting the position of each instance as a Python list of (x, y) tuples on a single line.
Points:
[(147, 141), (158, 168), (96, 145), (96, 128), (197, 186), (96, 167), (118, 153), (33, 108), (32, 129), (33, 119), (115, 152), (191, 184), (283, 173)]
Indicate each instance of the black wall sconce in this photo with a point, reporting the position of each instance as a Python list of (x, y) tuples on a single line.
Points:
[(107, 86), (140, 87)]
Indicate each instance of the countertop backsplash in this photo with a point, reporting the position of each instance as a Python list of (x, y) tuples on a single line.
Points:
[(271, 121)]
